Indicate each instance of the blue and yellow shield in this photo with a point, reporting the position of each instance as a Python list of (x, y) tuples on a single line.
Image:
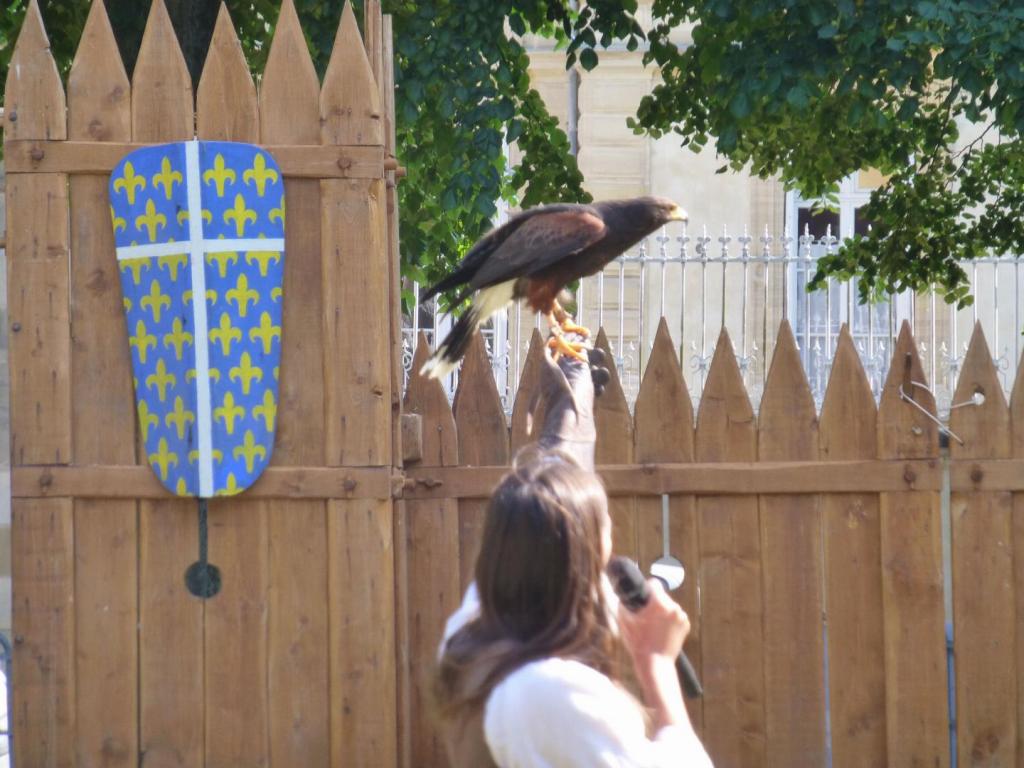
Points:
[(199, 230)]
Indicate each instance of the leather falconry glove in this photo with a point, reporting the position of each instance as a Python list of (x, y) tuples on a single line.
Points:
[(565, 404)]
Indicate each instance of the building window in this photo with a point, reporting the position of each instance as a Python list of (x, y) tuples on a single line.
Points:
[(818, 317)]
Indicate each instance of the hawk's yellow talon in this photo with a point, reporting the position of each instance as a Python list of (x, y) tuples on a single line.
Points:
[(560, 346)]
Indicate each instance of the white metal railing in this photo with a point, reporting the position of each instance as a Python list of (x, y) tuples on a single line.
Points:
[(700, 284)]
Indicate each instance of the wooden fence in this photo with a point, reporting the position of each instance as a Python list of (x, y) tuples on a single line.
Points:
[(340, 566), (813, 547), (115, 663)]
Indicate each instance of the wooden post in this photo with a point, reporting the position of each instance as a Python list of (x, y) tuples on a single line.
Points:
[(236, 687), (985, 626), (791, 557), (103, 431), (1017, 450), (917, 718), (732, 637), (483, 442), (432, 547), (297, 636), (357, 369), (42, 531), (171, 620), (853, 571), (664, 432)]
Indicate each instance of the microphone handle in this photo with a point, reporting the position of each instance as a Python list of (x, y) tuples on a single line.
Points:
[(688, 677)]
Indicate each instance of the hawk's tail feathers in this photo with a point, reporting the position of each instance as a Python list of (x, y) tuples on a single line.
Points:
[(446, 357), (486, 302)]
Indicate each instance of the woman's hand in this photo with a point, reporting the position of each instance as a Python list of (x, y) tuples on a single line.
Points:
[(658, 629), (654, 637)]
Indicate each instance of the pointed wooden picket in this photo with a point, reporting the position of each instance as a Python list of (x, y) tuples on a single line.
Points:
[(42, 530), (106, 531), (791, 557), (730, 574), (290, 114), (298, 644), (226, 105), (33, 96), (236, 686), (171, 636), (985, 626), (483, 442), (917, 718), (525, 424), (615, 446), (358, 414), (162, 106), (853, 579), (664, 433), (1017, 451), (289, 88), (99, 94), (350, 107), (432, 538)]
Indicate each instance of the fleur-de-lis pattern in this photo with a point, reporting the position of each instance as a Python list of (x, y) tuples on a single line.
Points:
[(241, 194)]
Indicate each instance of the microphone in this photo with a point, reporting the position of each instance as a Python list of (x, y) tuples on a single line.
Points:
[(632, 589)]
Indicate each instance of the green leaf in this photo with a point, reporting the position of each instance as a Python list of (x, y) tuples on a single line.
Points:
[(588, 59)]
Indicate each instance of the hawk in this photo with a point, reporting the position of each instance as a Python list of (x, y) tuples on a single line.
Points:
[(534, 256)]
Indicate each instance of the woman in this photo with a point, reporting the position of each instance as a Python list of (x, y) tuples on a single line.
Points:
[(528, 675)]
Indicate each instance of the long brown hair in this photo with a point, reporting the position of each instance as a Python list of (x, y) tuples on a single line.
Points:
[(538, 574)]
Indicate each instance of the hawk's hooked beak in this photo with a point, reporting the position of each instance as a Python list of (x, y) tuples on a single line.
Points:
[(678, 214)]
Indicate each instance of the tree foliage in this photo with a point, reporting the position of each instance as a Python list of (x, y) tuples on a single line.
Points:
[(462, 92), (813, 91)]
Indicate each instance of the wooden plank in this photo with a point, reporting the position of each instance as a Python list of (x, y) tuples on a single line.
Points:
[(984, 622), (237, 704), (664, 432), (791, 566), (298, 160), (171, 654), (483, 441), (40, 339), (523, 420), (106, 531), (432, 546), (717, 479), (126, 482), (917, 719), (42, 572), (37, 253), (386, 82), (1017, 449), (362, 638), (42, 532), (297, 635), (615, 446), (106, 632), (730, 575), (853, 572), (357, 367), (358, 403)]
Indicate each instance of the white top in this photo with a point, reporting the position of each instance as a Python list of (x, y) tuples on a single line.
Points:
[(557, 713)]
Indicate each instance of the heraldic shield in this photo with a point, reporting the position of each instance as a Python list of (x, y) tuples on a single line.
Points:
[(199, 230)]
